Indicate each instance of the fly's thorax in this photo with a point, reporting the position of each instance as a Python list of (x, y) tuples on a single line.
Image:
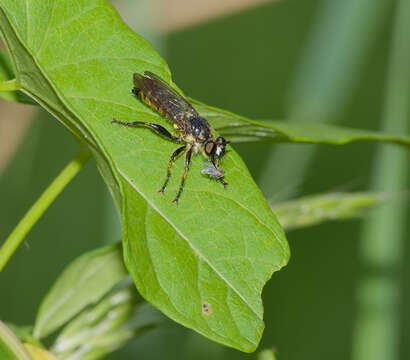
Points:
[(199, 128), (188, 138)]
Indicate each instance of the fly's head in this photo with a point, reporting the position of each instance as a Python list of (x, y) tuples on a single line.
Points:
[(215, 149)]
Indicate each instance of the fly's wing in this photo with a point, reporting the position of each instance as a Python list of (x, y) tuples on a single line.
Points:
[(164, 97)]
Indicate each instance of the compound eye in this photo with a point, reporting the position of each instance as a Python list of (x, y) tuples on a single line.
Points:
[(209, 147)]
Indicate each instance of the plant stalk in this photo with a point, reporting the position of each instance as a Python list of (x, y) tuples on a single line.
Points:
[(41, 205), (10, 345), (9, 85)]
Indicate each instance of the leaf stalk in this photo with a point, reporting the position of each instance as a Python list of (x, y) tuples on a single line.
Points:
[(9, 85)]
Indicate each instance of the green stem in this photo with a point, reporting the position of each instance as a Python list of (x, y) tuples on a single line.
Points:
[(10, 85), (40, 206)]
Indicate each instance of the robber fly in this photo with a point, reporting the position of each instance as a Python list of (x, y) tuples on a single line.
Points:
[(193, 130)]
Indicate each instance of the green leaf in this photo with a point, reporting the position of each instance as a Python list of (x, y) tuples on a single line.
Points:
[(10, 347), (82, 283), (37, 353), (240, 129), (203, 263), (107, 326), (315, 209)]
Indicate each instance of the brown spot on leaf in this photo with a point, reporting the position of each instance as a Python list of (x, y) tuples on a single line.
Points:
[(206, 308)]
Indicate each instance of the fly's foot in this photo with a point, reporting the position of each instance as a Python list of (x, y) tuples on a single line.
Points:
[(115, 121), (162, 190), (175, 201)]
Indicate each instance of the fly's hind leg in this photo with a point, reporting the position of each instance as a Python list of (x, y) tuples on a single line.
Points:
[(175, 154), (187, 163), (158, 129)]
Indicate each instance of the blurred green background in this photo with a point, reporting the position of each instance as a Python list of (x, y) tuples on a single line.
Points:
[(305, 60)]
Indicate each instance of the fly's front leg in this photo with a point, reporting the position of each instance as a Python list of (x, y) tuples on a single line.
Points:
[(224, 183), (187, 163), (158, 129), (176, 153)]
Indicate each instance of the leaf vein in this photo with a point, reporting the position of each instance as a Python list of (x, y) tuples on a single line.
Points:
[(48, 29), (255, 216), (27, 20), (60, 65), (190, 244), (75, 17), (110, 102)]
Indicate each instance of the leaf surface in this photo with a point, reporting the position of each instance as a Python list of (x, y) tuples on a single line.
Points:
[(107, 326), (82, 283), (203, 263)]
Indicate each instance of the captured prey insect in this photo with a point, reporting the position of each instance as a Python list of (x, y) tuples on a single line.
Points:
[(214, 172), (193, 130)]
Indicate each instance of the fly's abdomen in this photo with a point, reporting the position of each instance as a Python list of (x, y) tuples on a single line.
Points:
[(160, 103), (149, 99)]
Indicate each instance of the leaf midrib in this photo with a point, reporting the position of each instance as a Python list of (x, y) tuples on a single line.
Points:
[(189, 243)]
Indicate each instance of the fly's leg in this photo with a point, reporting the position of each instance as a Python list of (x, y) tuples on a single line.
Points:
[(224, 183), (158, 129), (176, 153), (187, 162)]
